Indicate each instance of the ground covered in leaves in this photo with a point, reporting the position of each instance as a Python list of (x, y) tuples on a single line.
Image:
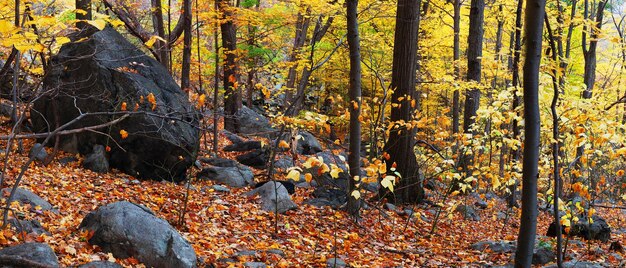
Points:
[(224, 225)]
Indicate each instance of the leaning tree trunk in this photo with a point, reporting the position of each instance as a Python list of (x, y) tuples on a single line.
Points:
[(401, 139), (535, 12), (232, 97), (355, 107)]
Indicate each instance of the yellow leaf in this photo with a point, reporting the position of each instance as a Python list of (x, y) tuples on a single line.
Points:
[(152, 40), (356, 194), (61, 40), (124, 134), (100, 23), (80, 11), (294, 174), (388, 182), (308, 177), (334, 171), (123, 107)]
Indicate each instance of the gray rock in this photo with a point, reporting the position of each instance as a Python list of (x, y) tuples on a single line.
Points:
[(501, 216), (276, 252), (245, 253), (99, 74), (100, 264), (34, 252), (39, 152), (27, 197), (251, 122), (578, 264), (495, 246), (392, 207), (256, 158), (232, 137), (335, 263), (469, 213), (130, 230), (97, 160), (543, 255), (220, 188), (283, 162), (274, 197), (227, 172), (28, 226), (254, 264), (481, 204), (307, 143), (243, 146)]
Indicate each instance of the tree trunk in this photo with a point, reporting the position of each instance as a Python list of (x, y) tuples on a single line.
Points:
[(84, 5), (517, 51), (232, 97), (185, 82), (302, 26), (457, 68), (401, 141), (589, 77), (355, 107), (162, 49), (474, 55), (535, 11)]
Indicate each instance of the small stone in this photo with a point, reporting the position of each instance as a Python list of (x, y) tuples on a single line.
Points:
[(335, 263), (255, 264), (220, 188), (38, 152)]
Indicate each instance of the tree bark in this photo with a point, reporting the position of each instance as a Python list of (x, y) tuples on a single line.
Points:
[(302, 26), (401, 141), (355, 107), (185, 82), (535, 11), (232, 97), (457, 69), (589, 77), (162, 48), (84, 5)]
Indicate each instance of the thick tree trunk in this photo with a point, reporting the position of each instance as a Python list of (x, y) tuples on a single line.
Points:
[(84, 5), (185, 80), (232, 97), (535, 11), (474, 60), (474, 55), (401, 142), (355, 107)]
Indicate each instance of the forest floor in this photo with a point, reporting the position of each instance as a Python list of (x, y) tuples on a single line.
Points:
[(219, 225)]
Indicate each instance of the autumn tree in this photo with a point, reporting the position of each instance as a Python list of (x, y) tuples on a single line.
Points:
[(589, 50), (474, 69), (185, 81), (232, 94), (354, 156), (401, 141), (535, 12)]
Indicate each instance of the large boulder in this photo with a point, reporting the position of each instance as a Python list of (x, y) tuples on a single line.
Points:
[(228, 172), (100, 77), (253, 123), (97, 161), (24, 196), (274, 197), (30, 255), (129, 230), (307, 143)]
